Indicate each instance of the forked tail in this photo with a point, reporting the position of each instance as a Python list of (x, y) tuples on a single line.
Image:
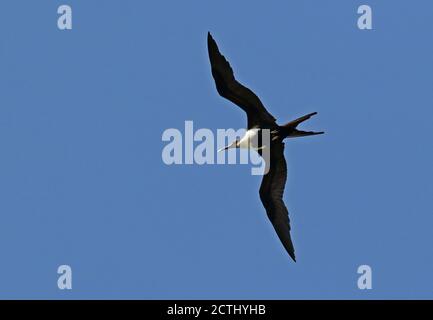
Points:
[(291, 131)]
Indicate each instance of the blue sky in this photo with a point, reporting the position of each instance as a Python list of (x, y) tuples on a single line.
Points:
[(82, 181)]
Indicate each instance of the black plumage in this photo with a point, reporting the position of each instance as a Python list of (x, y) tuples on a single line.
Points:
[(273, 183)]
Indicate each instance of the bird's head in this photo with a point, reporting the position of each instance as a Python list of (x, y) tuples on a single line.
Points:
[(234, 144)]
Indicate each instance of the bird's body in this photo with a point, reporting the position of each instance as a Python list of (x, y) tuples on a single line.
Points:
[(250, 139), (259, 119)]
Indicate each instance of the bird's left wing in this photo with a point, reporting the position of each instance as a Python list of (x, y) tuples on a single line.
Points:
[(229, 88), (271, 194)]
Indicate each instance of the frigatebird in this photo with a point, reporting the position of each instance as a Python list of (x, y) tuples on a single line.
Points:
[(273, 183)]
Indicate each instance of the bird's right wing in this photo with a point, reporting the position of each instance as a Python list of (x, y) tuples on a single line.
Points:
[(271, 194), (229, 88)]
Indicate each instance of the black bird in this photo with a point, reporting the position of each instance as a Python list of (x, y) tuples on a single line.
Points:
[(273, 183)]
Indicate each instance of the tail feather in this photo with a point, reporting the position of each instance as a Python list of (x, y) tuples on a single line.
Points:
[(296, 122), (299, 133), (292, 132)]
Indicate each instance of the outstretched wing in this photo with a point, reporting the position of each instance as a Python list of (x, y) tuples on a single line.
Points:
[(229, 88), (271, 194)]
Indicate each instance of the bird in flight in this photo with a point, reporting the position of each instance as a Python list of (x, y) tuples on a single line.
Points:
[(259, 119)]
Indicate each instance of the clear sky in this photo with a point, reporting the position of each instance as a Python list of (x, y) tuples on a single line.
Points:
[(82, 181)]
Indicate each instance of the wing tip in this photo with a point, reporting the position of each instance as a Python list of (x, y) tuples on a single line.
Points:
[(212, 46), (210, 39), (292, 255)]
